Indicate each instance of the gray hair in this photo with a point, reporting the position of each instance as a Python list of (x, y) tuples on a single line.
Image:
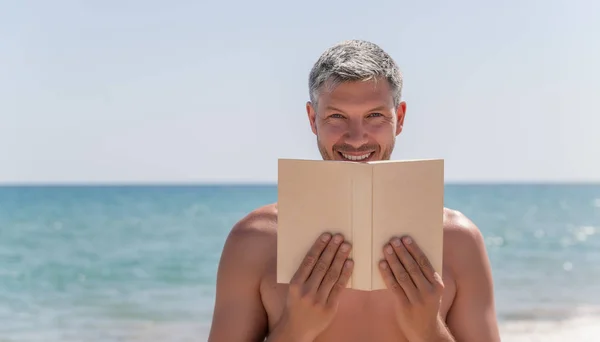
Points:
[(354, 60)]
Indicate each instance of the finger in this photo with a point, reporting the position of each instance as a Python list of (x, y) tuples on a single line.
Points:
[(310, 260), (400, 274), (410, 264), (390, 281), (333, 274), (342, 282), (323, 263), (421, 259)]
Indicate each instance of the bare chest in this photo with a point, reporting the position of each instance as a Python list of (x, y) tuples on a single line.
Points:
[(362, 316)]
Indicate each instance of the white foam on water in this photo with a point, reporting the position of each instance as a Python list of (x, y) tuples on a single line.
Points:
[(167, 332), (580, 329)]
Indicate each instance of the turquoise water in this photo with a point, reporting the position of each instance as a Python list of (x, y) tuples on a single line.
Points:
[(138, 263)]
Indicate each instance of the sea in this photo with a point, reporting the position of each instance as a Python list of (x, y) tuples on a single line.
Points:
[(138, 262)]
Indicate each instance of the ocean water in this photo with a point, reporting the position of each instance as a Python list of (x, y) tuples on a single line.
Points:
[(138, 263)]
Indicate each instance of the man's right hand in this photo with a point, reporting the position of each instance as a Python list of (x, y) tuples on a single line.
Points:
[(315, 289)]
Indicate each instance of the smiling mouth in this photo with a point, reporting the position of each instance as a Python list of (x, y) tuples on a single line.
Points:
[(359, 157)]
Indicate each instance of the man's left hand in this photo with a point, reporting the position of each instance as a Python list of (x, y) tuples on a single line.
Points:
[(417, 287)]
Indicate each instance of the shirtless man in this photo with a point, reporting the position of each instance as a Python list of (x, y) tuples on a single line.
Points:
[(354, 110)]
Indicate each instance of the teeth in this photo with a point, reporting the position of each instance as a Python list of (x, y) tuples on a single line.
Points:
[(364, 156)]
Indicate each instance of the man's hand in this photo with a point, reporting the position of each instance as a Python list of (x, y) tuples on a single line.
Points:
[(418, 290), (315, 289)]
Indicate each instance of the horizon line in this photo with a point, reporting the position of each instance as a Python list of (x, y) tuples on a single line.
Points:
[(267, 183)]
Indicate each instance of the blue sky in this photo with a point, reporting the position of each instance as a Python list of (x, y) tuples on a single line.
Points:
[(196, 91)]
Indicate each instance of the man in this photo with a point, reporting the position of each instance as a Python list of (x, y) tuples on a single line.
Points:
[(355, 111)]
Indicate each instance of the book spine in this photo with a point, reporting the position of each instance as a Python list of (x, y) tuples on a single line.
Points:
[(362, 228)]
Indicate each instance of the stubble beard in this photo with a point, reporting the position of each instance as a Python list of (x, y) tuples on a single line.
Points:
[(326, 155)]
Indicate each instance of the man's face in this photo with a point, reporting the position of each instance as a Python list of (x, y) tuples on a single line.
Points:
[(356, 121)]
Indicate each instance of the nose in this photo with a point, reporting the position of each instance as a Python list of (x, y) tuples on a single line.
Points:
[(356, 135)]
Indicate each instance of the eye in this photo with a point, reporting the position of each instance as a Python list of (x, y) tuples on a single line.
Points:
[(336, 116), (375, 115)]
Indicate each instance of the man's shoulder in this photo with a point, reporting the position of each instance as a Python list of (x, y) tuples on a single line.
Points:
[(257, 228), (457, 225), (252, 242), (463, 240), (260, 221)]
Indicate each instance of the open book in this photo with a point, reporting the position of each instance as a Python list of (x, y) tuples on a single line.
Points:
[(368, 203)]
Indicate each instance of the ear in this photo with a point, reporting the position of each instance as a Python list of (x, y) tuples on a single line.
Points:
[(400, 115), (312, 116)]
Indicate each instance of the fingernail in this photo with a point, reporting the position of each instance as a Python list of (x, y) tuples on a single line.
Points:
[(325, 237), (383, 265), (389, 250), (407, 240), (349, 263), (396, 242), (337, 239), (345, 247)]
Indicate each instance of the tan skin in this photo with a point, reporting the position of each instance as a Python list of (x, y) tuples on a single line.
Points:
[(355, 118)]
